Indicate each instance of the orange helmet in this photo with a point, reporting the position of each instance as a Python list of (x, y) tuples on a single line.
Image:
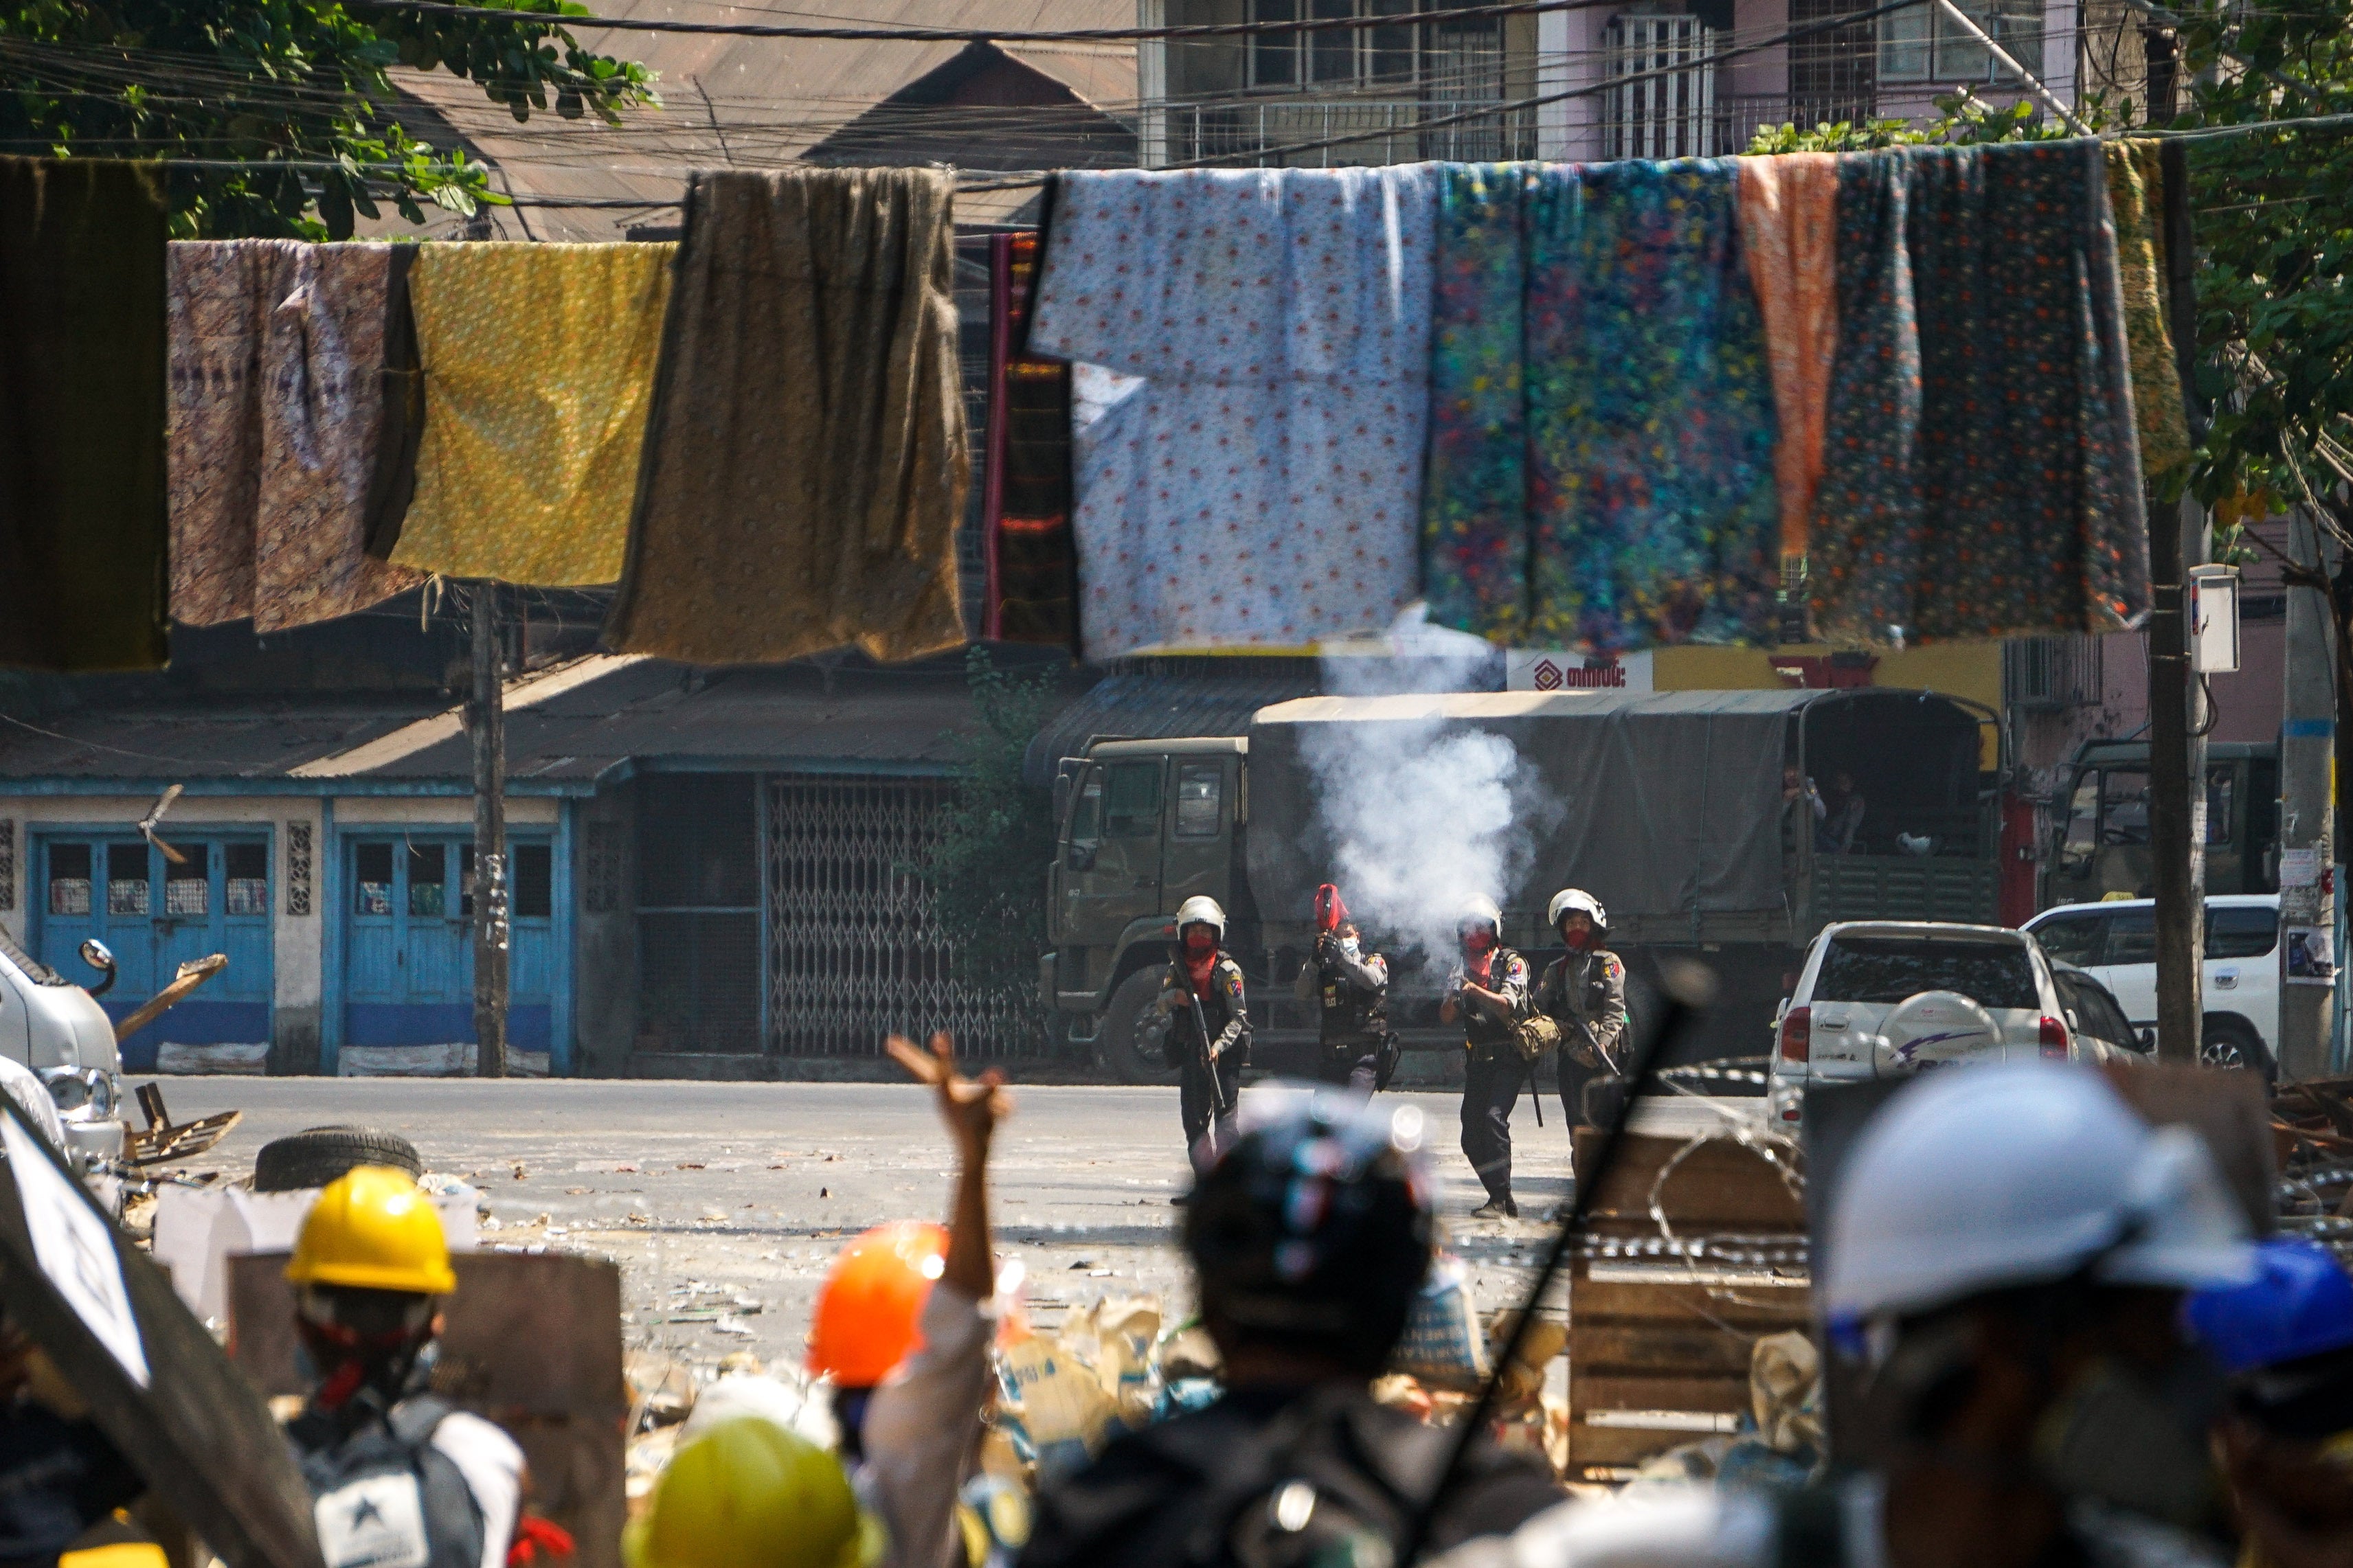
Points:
[(868, 1309)]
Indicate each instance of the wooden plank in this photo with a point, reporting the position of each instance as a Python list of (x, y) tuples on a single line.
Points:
[(1621, 1445), (1719, 1186), (1770, 1308), (2225, 1108), (1619, 1347), (1729, 1395)]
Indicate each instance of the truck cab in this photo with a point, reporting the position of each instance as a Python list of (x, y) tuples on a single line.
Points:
[(2103, 850)]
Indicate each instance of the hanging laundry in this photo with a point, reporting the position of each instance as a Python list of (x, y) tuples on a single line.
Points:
[(285, 444), (1981, 473), (538, 362), (1033, 562), (1623, 497), (2135, 182), (1789, 225), (1262, 337), (806, 461), (84, 513)]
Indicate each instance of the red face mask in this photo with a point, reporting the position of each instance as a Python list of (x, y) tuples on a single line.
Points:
[(1578, 940), (1199, 940), (1479, 940)]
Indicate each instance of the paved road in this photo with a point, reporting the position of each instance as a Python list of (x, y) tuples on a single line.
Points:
[(734, 1196)]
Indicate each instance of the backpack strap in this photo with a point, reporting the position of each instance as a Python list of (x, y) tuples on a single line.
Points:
[(413, 1421)]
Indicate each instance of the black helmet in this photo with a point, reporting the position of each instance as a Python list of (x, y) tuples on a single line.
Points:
[(1314, 1226)]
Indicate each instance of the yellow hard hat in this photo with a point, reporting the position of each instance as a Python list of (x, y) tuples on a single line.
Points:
[(749, 1494), (373, 1227)]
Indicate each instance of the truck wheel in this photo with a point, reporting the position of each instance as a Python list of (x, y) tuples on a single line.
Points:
[(2233, 1042), (319, 1156), (1129, 1044)]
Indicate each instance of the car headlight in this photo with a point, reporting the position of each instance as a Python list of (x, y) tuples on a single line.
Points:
[(86, 1092)]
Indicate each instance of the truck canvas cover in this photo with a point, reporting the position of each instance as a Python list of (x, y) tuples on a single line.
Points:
[(1659, 803)]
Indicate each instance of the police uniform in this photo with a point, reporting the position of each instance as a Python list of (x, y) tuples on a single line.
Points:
[(1224, 1011), (1585, 993), (1494, 1072), (1352, 995)]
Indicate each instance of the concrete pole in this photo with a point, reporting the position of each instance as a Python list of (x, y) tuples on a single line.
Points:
[(486, 724), (2308, 766)]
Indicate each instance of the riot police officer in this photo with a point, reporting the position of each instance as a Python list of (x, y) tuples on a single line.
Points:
[(1351, 989), (1585, 991), (1488, 991), (1202, 994)]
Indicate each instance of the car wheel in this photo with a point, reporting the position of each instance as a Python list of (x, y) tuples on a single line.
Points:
[(316, 1157), (2234, 1043), (1128, 1047)]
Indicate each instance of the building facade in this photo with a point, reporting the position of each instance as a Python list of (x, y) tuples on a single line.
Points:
[(1647, 79)]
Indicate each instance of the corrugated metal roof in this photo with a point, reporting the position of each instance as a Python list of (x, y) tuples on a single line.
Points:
[(199, 740), (1150, 706), (566, 728), (749, 102)]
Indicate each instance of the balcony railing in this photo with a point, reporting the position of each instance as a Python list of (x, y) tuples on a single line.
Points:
[(1266, 131), (1380, 131)]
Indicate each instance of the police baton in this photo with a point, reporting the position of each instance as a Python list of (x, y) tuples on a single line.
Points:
[(1685, 988)]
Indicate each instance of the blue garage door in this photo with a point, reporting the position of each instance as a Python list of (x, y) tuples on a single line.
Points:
[(156, 913), (408, 950)]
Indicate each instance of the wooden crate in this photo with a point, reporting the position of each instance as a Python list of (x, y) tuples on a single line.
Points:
[(1657, 1352)]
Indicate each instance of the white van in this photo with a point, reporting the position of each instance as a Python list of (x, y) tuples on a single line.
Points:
[(2117, 943), (59, 1030), (1888, 998)]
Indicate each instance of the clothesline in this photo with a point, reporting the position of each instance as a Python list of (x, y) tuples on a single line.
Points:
[(764, 446)]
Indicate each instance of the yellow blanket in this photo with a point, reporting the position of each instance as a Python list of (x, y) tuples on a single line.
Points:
[(538, 361)]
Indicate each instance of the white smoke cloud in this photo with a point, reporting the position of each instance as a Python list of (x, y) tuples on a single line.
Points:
[(1422, 815)]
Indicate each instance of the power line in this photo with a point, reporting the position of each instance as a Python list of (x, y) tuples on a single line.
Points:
[(986, 35)]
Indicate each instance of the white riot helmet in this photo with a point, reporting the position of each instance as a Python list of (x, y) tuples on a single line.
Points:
[(1979, 1179), (1201, 910), (1569, 899), (1480, 909)]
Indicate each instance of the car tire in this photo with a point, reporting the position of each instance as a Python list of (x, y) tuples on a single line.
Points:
[(1128, 1045), (2230, 1041), (319, 1156)]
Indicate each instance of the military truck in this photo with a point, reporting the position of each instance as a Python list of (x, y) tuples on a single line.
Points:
[(1669, 806), (2103, 850)]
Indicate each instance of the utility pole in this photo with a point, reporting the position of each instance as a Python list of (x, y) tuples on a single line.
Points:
[(2176, 752), (2307, 762), (486, 724)]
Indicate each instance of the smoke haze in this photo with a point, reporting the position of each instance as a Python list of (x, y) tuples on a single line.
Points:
[(1421, 815)]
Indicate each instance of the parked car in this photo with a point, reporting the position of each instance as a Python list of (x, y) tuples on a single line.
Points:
[(2116, 941), (59, 1030), (1877, 999)]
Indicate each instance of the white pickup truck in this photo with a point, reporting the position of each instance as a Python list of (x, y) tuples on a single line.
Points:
[(2117, 943), (58, 1029)]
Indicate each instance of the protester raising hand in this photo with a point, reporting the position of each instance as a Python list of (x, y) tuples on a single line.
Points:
[(904, 1329)]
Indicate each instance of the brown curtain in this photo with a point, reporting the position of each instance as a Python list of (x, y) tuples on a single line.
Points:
[(805, 462), (84, 513)]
